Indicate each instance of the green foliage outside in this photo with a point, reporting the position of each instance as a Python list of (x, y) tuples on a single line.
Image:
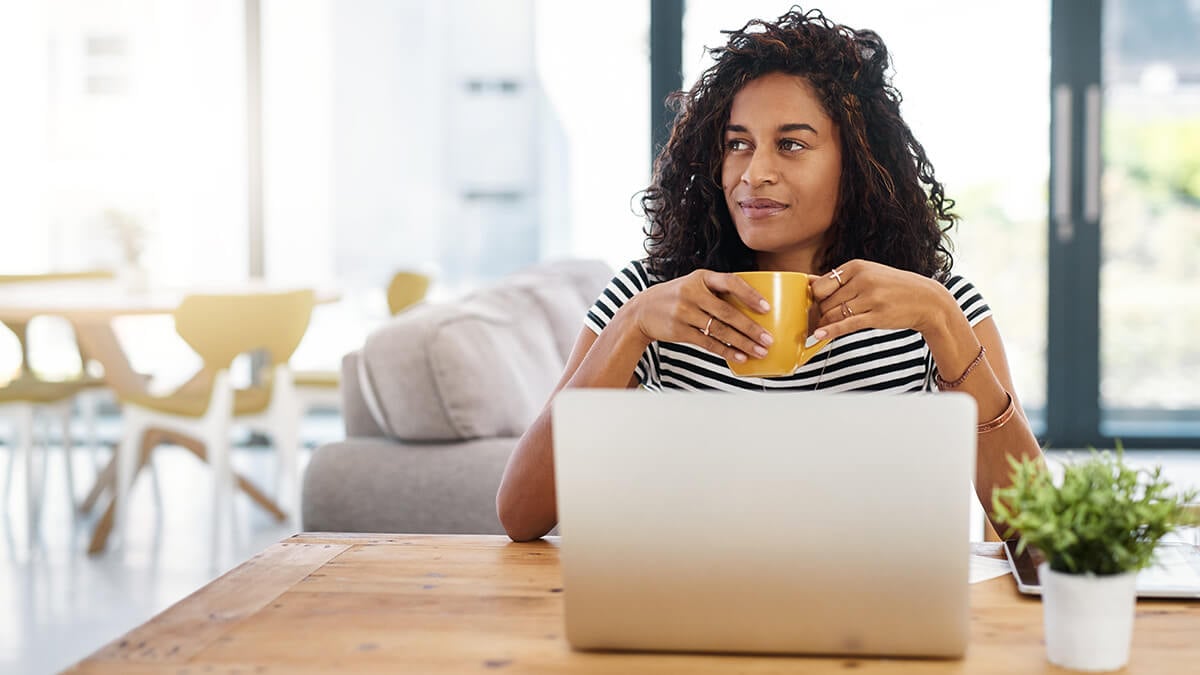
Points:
[(1104, 518), (1162, 154)]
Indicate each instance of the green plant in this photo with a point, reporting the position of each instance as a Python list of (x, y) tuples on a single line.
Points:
[(1104, 518)]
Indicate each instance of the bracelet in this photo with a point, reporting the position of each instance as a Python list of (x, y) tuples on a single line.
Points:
[(944, 385), (1001, 419)]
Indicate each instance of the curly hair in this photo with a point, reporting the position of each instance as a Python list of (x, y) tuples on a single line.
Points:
[(883, 212)]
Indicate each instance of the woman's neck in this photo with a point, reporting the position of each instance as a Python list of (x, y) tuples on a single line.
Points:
[(802, 260)]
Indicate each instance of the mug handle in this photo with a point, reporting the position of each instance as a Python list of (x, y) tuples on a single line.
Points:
[(805, 353)]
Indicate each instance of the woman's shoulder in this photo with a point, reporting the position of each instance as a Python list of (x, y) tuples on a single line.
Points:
[(969, 299), (637, 275)]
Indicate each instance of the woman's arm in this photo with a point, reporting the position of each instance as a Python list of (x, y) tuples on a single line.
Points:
[(871, 295), (686, 309), (954, 347), (525, 501)]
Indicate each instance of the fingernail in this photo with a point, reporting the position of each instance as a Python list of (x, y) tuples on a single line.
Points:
[(761, 351), (820, 333), (739, 357), (766, 339), (766, 306)]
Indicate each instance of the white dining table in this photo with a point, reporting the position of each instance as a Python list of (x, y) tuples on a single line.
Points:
[(91, 305)]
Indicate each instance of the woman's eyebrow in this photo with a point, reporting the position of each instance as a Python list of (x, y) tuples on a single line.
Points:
[(796, 126)]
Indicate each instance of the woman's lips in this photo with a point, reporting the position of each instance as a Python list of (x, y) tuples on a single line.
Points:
[(760, 207)]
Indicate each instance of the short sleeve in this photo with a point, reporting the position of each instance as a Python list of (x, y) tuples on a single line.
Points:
[(631, 280), (969, 299)]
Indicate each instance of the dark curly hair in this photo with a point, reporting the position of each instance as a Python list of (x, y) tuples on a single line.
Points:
[(883, 213)]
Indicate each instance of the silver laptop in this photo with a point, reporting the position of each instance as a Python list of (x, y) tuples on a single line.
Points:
[(1174, 574), (798, 523)]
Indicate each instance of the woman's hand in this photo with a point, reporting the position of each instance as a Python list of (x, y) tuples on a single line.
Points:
[(689, 310), (861, 294)]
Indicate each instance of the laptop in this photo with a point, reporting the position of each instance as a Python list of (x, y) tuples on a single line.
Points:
[(787, 523), (1174, 574)]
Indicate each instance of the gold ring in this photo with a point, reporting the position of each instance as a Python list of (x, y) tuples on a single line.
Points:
[(846, 311), (707, 326), (837, 274)]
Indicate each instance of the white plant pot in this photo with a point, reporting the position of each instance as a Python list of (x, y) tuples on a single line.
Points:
[(1088, 618)]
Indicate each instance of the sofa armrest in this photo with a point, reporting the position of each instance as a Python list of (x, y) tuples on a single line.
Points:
[(356, 415), (379, 485)]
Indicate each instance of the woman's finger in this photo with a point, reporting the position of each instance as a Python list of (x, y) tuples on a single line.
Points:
[(836, 279), (735, 337), (721, 349), (736, 286), (842, 327)]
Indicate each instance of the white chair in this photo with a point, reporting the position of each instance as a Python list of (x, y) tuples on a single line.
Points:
[(27, 402), (220, 328)]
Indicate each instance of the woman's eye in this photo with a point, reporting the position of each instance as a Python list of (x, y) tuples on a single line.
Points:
[(736, 144), (788, 145)]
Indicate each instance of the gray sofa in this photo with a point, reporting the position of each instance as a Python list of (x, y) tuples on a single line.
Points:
[(436, 399)]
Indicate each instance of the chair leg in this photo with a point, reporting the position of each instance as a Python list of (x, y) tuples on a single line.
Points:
[(127, 456), (222, 504), (12, 463), (25, 444), (104, 525), (252, 491), (286, 441), (104, 480), (68, 449), (88, 404)]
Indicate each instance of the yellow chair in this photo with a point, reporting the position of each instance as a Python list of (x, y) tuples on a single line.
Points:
[(405, 290), (319, 388), (220, 328), (25, 399)]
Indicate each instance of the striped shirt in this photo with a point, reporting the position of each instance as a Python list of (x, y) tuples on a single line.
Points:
[(867, 360)]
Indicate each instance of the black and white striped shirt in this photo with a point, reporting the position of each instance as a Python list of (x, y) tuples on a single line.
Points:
[(868, 360)]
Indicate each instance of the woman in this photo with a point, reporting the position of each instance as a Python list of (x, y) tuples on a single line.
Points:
[(789, 154)]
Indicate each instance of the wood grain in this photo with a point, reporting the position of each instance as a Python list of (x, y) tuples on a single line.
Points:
[(378, 603), (187, 627)]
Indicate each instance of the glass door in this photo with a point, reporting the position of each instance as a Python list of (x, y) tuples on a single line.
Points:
[(1150, 206)]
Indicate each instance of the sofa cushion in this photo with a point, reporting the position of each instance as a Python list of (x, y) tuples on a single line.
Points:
[(483, 365)]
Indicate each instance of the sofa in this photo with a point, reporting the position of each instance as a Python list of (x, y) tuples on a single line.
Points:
[(436, 399)]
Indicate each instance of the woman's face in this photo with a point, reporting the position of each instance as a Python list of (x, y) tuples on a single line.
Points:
[(781, 170)]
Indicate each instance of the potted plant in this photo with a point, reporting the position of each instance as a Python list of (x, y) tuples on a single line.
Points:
[(1095, 530)]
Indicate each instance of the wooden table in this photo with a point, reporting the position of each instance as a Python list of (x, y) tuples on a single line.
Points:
[(321, 603)]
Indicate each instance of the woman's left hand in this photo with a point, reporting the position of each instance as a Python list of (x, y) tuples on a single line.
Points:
[(871, 295)]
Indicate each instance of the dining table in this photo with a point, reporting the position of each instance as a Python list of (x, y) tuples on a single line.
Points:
[(91, 303)]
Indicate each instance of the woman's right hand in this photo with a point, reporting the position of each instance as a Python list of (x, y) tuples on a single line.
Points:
[(680, 310)]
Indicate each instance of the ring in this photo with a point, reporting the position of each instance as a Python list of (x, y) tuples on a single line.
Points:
[(846, 311), (707, 326), (837, 274)]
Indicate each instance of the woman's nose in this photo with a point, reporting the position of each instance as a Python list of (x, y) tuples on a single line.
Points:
[(760, 169)]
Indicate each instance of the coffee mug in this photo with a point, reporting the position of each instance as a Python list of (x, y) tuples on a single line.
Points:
[(787, 321)]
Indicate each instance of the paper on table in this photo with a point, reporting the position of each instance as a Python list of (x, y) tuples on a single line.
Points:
[(983, 568)]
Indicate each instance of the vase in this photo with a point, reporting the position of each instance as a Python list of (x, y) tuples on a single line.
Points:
[(135, 278), (1088, 619)]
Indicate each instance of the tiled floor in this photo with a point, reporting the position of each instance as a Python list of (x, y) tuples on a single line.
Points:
[(57, 605)]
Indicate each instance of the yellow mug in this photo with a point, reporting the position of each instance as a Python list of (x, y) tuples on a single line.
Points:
[(787, 321)]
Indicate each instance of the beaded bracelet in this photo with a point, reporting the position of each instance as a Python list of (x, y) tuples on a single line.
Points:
[(1001, 419), (944, 385)]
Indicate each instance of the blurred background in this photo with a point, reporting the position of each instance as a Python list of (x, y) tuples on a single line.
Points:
[(468, 139), (330, 143)]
